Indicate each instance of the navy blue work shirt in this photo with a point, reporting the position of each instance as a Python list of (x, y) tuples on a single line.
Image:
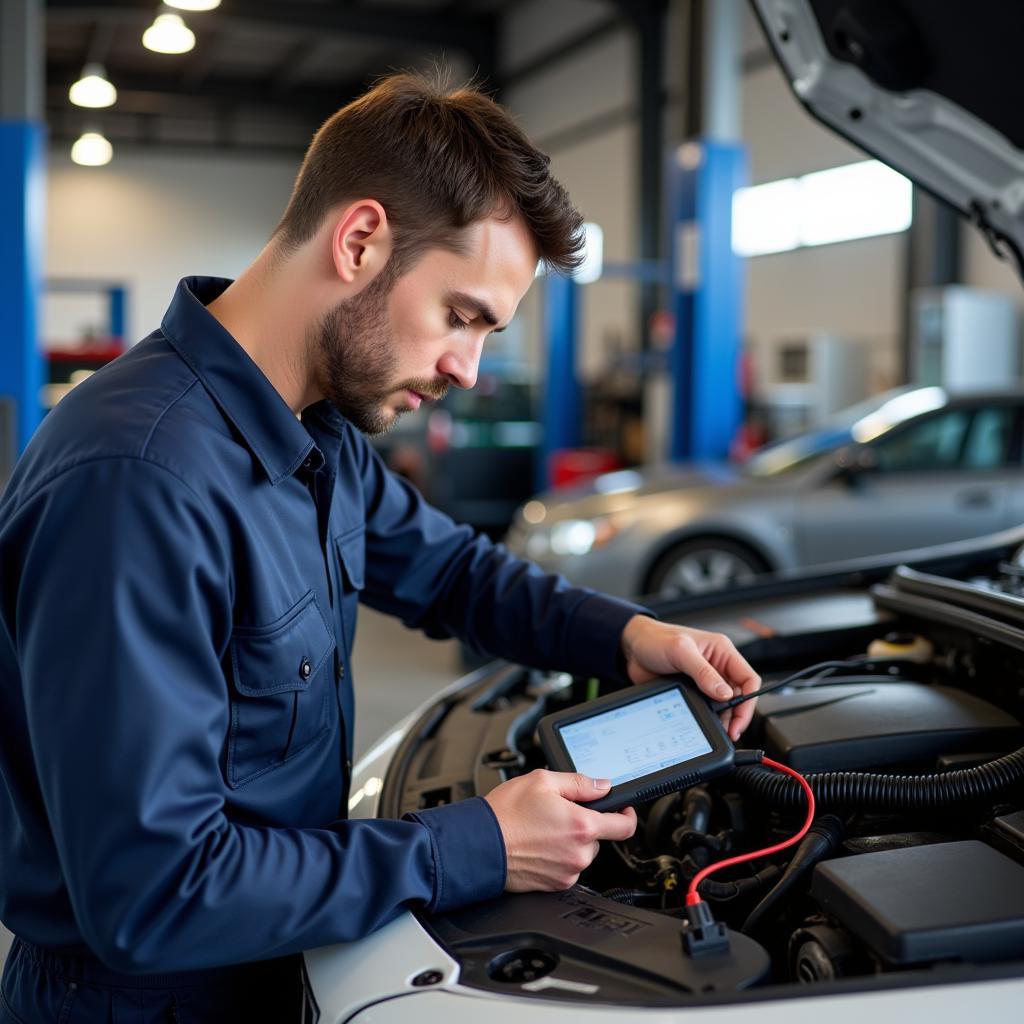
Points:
[(181, 562)]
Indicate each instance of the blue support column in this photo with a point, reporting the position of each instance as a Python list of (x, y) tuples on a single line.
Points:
[(22, 202), (561, 402), (118, 297), (707, 282)]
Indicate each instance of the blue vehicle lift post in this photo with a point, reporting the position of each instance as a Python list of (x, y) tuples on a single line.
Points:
[(707, 299), (22, 206)]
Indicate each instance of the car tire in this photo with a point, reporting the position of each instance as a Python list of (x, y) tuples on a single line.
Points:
[(702, 565)]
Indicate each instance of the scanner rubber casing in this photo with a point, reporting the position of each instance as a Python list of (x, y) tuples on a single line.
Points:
[(662, 782)]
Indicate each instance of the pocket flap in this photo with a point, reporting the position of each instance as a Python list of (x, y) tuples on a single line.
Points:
[(285, 655), (352, 552)]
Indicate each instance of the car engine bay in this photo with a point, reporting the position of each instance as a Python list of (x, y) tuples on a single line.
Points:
[(905, 718)]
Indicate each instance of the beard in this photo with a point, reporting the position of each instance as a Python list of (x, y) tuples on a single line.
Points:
[(354, 352)]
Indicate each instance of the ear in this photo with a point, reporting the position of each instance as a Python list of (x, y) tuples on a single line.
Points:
[(360, 241)]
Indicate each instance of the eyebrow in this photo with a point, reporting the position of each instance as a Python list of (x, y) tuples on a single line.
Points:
[(477, 306)]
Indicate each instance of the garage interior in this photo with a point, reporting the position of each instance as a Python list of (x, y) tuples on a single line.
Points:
[(200, 154)]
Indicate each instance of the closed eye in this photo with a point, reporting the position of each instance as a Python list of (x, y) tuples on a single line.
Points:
[(456, 321)]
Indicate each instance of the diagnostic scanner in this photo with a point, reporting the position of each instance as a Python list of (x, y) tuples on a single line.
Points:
[(649, 740)]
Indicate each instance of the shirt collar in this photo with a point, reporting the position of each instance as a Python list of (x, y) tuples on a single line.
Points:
[(269, 428)]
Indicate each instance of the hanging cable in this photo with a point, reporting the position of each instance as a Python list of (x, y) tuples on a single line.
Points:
[(692, 894)]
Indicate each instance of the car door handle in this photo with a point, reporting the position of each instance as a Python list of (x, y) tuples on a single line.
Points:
[(977, 499)]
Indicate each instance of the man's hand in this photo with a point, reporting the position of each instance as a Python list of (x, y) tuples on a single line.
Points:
[(655, 648), (549, 839)]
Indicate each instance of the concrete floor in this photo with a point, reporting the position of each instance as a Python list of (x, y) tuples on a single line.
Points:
[(395, 669)]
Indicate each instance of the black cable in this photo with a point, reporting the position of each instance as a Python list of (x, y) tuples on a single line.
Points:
[(821, 667), (811, 671), (868, 791), (823, 839)]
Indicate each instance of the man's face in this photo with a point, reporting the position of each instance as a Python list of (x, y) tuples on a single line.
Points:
[(399, 342)]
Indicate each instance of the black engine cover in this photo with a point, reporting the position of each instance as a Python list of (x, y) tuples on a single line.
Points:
[(946, 901), (860, 726)]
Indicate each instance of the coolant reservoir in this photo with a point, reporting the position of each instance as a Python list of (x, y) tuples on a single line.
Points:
[(908, 646)]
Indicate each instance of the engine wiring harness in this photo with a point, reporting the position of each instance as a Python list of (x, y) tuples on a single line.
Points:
[(890, 792), (702, 934)]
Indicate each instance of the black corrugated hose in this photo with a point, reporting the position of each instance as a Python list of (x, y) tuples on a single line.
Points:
[(866, 791)]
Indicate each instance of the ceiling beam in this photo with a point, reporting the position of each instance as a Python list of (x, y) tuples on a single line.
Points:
[(250, 92), (472, 33), (202, 60), (290, 71)]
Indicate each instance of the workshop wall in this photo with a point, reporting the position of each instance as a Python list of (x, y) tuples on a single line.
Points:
[(581, 111), (852, 289), (147, 220)]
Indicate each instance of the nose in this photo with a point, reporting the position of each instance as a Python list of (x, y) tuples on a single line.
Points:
[(460, 365)]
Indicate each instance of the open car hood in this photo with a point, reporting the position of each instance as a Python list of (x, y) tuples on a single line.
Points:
[(930, 88)]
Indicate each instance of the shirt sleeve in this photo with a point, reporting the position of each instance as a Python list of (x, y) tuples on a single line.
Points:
[(439, 576), (123, 617)]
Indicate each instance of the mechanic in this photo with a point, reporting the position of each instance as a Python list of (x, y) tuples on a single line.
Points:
[(184, 544)]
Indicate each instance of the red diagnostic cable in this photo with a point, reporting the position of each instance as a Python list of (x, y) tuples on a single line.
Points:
[(693, 897)]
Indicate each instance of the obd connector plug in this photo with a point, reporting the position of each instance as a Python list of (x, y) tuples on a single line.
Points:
[(702, 934)]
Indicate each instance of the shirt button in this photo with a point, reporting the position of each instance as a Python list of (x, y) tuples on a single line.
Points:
[(305, 669), (341, 670)]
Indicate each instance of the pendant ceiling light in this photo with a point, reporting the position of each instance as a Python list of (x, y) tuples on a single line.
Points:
[(193, 5), (92, 149), (93, 89), (168, 34)]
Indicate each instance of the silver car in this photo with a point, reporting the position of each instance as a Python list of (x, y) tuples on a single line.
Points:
[(909, 468)]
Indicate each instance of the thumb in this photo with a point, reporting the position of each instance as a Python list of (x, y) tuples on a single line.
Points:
[(574, 786)]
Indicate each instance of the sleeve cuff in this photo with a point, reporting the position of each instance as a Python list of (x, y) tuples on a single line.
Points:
[(468, 851), (595, 636)]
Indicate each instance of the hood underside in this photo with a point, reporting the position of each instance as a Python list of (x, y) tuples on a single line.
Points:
[(929, 87)]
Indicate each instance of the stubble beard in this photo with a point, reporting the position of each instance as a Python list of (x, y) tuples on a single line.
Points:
[(353, 349)]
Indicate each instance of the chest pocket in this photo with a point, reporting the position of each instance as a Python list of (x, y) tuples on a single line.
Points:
[(351, 548), (281, 681)]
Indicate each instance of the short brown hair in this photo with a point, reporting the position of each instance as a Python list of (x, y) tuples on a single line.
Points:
[(437, 159)]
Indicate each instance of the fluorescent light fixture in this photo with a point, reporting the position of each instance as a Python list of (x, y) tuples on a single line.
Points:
[(857, 201), (193, 5), (93, 89), (91, 149), (593, 255), (169, 34), (764, 218), (843, 203)]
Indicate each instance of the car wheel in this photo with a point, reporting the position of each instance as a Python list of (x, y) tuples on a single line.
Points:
[(700, 566)]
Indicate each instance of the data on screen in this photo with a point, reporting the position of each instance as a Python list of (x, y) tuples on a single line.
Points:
[(635, 740)]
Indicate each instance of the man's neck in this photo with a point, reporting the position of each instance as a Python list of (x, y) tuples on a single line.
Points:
[(268, 312)]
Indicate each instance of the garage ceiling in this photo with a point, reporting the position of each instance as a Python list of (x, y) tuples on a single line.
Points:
[(264, 73)]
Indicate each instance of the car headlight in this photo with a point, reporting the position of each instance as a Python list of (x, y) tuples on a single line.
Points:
[(574, 536)]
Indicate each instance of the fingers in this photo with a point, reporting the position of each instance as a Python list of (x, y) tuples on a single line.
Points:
[(578, 788), (743, 714), (738, 670), (616, 825), (708, 680)]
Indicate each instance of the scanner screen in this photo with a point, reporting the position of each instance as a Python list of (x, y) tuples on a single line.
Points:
[(636, 739)]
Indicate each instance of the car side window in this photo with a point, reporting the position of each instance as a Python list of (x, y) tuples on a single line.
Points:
[(933, 444), (988, 442)]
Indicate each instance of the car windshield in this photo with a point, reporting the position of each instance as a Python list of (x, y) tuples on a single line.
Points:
[(861, 422)]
